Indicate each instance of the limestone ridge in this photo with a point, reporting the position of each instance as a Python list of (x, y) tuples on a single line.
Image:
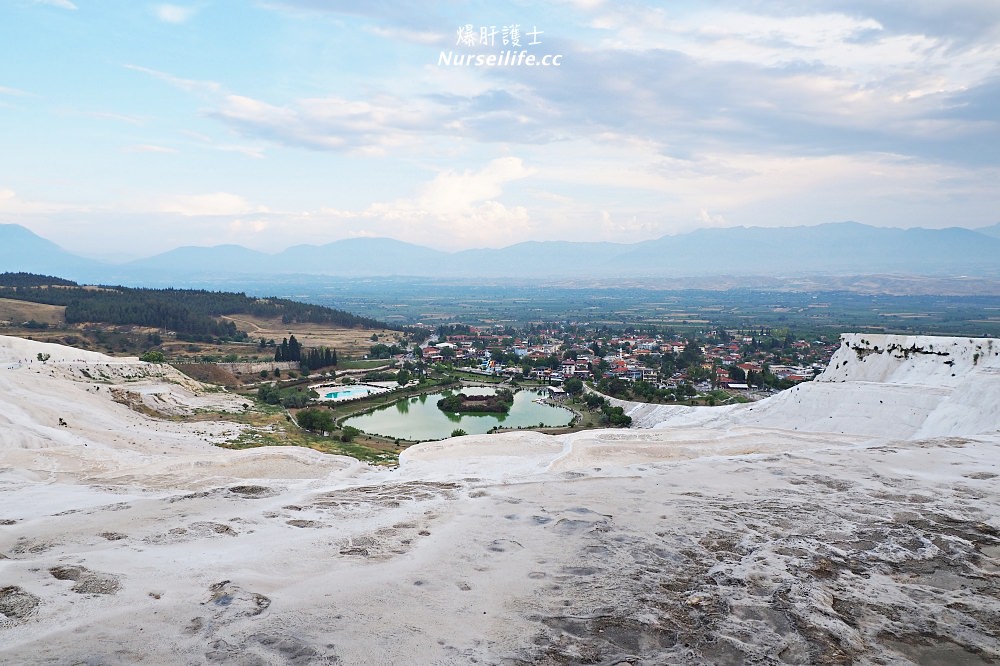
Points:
[(916, 360), (884, 386)]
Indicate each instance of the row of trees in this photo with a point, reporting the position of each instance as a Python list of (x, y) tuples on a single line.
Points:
[(309, 358), (288, 350), (641, 391)]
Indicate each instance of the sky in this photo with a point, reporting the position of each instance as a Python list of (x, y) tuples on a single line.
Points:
[(128, 128)]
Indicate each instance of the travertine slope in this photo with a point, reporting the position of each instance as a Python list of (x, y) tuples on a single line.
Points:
[(851, 520)]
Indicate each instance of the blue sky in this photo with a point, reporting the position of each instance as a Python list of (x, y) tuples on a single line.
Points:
[(128, 127)]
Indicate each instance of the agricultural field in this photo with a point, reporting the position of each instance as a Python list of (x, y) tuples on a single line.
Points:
[(687, 311)]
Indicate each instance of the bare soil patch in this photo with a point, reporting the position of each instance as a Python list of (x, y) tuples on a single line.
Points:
[(210, 373), (18, 312), (354, 342)]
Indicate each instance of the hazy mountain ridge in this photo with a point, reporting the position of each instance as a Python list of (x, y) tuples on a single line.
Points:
[(21, 250), (833, 248), (993, 231)]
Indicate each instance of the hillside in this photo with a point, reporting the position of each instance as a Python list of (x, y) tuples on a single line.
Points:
[(792, 530), (20, 312), (191, 314)]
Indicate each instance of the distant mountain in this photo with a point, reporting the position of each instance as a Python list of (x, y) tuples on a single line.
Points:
[(218, 259), (359, 256), (844, 247), (542, 259), (23, 251), (841, 248), (992, 231)]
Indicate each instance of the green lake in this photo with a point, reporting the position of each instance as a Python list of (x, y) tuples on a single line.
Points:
[(418, 418)]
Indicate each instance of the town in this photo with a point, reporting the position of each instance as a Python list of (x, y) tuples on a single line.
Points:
[(649, 366)]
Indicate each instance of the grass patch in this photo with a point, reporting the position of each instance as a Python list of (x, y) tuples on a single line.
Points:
[(364, 364), (273, 429)]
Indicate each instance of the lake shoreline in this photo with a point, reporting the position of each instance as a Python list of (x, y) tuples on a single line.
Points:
[(527, 413)]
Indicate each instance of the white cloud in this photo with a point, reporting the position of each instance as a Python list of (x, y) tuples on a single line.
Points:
[(149, 148), (454, 209), (631, 228), (256, 152), (13, 92), (119, 117), (424, 37), (450, 192), (334, 123), (63, 4), (827, 68), (174, 13), (10, 203), (709, 220), (238, 228), (188, 85), (215, 204), (249, 151)]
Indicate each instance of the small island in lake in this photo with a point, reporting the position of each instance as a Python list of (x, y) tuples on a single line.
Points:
[(498, 403)]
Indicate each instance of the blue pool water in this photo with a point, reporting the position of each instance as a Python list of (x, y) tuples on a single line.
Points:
[(352, 392)]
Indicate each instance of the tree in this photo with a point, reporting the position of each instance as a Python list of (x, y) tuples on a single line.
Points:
[(315, 419), (403, 377), (615, 416), (691, 356), (458, 432), (573, 385), (315, 358), (294, 350), (153, 356)]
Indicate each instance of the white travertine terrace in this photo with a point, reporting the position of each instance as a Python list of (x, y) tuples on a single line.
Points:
[(853, 518)]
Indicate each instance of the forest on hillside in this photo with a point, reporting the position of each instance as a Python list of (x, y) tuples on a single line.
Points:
[(32, 280), (191, 314)]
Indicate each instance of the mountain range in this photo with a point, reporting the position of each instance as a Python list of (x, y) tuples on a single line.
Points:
[(833, 248)]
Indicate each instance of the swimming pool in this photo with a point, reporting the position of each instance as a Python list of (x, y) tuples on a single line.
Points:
[(350, 392)]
